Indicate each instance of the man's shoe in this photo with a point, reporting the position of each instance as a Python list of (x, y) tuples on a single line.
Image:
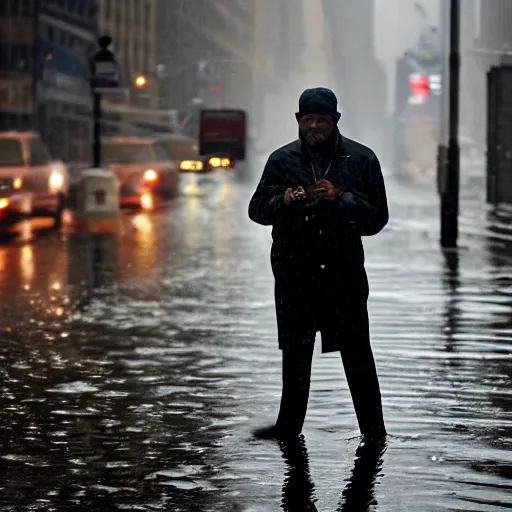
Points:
[(372, 444)]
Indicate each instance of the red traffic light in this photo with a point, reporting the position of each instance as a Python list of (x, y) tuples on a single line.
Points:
[(420, 85)]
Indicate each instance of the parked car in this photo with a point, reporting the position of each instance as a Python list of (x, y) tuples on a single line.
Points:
[(32, 184), (142, 167)]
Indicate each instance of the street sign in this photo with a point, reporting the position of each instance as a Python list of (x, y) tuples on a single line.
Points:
[(104, 68)]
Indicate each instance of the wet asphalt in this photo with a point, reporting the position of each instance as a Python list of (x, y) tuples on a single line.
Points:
[(134, 368)]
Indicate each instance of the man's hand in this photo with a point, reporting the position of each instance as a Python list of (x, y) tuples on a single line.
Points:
[(292, 196), (323, 189)]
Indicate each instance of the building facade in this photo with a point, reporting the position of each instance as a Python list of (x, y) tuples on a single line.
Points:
[(16, 65), (45, 46), (486, 39), (66, 41)]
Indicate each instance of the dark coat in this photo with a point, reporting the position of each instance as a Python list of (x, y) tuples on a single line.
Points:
[(317, 254)]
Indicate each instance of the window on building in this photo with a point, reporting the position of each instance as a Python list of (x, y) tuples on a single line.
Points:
[(26, 7), (83, 8), (72, 6), (92, 10), (14, 8), (15, 57), (107, 5)]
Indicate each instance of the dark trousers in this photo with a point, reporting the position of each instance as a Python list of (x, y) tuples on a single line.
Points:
[(362, 381)]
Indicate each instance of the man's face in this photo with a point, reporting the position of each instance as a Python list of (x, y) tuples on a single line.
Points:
[(316, 128)]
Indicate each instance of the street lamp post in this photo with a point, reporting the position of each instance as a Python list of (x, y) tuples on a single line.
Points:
[(449, 167), (104, 79)]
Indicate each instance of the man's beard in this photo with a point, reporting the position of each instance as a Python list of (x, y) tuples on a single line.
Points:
[(314, 138)]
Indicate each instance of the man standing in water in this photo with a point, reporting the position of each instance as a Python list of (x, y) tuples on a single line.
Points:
[(321, 194)]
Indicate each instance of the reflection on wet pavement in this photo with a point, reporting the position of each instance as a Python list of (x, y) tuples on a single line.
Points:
[(134, 368)]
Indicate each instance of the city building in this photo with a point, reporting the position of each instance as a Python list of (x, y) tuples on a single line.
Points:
[(45, 46), (486, 39), (67, 40), (16, 65)]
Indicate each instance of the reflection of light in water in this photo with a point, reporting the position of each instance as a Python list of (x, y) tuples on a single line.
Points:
[(192, 208), (142, 223), (3, 260), (226, 192), (145, 251), (191, 188), (27, 263), (26, 231), (146, 201), (67, 217), (192, 220)]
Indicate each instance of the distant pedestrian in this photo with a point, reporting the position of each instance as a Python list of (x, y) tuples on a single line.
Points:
[(321, 194)]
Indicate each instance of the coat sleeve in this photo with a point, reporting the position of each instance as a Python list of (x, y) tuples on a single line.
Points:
[(267, 203), (367, 212)]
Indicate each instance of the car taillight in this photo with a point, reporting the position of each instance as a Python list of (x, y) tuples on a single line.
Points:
[(420, 85)]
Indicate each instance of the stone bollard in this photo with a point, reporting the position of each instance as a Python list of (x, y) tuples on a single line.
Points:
[(98, 209)]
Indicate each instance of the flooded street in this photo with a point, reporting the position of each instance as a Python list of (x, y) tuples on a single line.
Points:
[(134, 370)]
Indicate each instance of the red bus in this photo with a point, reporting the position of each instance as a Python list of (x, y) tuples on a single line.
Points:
[(223, 133)]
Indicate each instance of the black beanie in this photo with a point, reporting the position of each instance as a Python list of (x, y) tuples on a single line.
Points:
[(319, 100)]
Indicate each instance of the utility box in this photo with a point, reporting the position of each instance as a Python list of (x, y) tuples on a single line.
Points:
[(499, 134), (98, 208)]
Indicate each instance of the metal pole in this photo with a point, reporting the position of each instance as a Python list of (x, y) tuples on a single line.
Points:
[(442, 149), (450, 192), (96, 144)]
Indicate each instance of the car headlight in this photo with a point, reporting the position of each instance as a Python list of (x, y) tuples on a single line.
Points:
[(150, 176), (191, 165), (17, 183), (215, 161), (56, 181)]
